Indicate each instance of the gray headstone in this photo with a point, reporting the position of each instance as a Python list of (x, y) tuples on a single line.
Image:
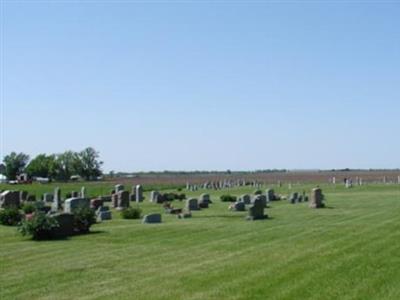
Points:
[(9, 199), (256, 211), (118, 188), (83, 192), (73, 203), (317, 198), (154, 196), (152, 218), (262, 198), (239, 206), (123, 199), (270, 195), (139, 193), (47, 197), (192, 204), (204, 200), (245, 198), (56, 205)]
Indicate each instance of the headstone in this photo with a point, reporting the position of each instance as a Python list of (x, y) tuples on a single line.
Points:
[(192, 204), (74, 194), (83, 192), (66, 225), (262, 198), (47, 197), (114, 200), (23, 196), (152, 218), (118, 188), (317, 198), (256, 211), (123, 199), (139, 193), (56, 205), (294, 198), (238, 206), (96, 203), (9, 199), (270, 195), (73, 203), (184, 215), (204, 200), (103, 213), (154, 196), (246, 199)]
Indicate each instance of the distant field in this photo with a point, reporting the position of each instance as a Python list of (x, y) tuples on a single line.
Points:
[(349, 250)]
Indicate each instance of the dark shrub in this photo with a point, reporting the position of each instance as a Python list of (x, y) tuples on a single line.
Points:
[(10, 216), (131, 213), (28, 208), (38, 225), (84, 217), (258, 192), (228, 198), (179, 189)]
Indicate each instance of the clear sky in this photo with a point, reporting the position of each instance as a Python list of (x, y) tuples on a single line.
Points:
[(190, 85)]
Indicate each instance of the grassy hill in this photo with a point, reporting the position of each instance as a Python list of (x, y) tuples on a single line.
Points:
[(349, 250)]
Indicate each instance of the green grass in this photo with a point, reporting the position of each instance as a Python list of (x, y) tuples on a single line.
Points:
[(349, 250), (93, 188)]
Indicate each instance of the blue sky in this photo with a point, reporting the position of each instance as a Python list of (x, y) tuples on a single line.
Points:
[(204, 85)]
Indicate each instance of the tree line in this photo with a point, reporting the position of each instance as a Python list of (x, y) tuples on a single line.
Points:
[(61, 166)]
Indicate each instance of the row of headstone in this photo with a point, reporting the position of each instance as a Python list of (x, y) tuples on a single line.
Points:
[(223, 184), (296, 198)]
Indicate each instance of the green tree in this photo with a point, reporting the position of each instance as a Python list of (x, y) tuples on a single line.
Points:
[(65, 165), (42, 166), (88, 164), (15, 164)]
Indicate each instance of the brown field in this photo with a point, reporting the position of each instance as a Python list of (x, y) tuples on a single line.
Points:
[(268, 178)]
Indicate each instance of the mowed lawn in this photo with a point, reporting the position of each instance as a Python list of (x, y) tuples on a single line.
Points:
[(349, 250)]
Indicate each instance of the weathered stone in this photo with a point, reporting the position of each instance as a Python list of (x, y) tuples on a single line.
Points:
[(66, 225), (152, 218), (23, 196), (83, 192), (263, 199), (238, 206), (270, 195), (293, 198), (123, 199), (73, 203), (139, 193), (9, 199), (56, 205), (118, 188), (96, 203), (205, 198), (103, 213), (256, 211), (192, 204), (246, 199), (154, 196), (47, 197), (317, 198)]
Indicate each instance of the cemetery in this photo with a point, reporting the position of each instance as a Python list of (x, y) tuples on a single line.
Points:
[(135, 233)]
